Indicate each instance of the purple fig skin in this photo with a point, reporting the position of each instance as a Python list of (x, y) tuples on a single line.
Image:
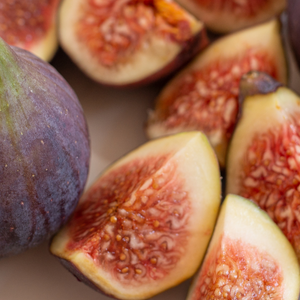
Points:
[(255, 82), (44, 150), (294, 27)]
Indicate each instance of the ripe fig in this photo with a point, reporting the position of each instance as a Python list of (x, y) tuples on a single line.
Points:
[(144, 225), (294, 27), (248, 258), (224, 16), (122, 43), (204, 96), (44, 150), (263, 158), (31, 25)]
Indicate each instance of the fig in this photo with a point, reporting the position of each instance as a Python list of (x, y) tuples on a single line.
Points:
[(145, 223), (225, 16), (248, 258), (294, 27), (131, 42), (263, 157), (44, 150), (30, 25), (204, 96)]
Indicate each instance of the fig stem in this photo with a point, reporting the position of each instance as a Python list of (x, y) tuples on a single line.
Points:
[(9, 72), (256, 83)]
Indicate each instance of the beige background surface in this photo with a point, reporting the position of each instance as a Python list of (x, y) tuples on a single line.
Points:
[(115, 119)]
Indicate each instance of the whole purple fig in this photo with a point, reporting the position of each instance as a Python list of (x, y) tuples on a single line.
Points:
[(44, 150)]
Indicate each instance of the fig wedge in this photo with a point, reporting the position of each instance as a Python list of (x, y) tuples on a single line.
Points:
[(131, 42), (263, 158), (225, 16), (30, 25), (144, 225), (204, 96), (248, 258), (44, 150)]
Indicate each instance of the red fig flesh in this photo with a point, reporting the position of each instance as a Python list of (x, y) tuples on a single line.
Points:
[(204, 96), (248, 258), (229, 15), (263, 160), (31, 25), (119, 42), (144, 225)]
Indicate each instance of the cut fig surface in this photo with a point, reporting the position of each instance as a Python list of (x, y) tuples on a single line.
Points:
[(229, 15), (31, 25), (128, 42), (144, 225), (248, 258), (263, 159), (204, 96)]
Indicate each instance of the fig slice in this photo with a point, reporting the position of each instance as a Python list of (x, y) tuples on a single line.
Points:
[(248, 258), (263, 158), (30, 25), (129, 42), (225, 16), (204, 96), (144, 225)]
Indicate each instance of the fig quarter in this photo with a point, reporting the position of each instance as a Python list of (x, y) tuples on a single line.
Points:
[(145, 223)]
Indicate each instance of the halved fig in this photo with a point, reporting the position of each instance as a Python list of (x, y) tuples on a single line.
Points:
[(229, 15), (129, 42), (248, 258), (30, 25), (144, 225), (204, 96), (264, 154), (294, 27)]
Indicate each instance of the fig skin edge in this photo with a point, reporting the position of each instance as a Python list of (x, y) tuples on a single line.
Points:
[(46, 48), (196, 44), (45, 150), (223, 21), (293, 11)]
